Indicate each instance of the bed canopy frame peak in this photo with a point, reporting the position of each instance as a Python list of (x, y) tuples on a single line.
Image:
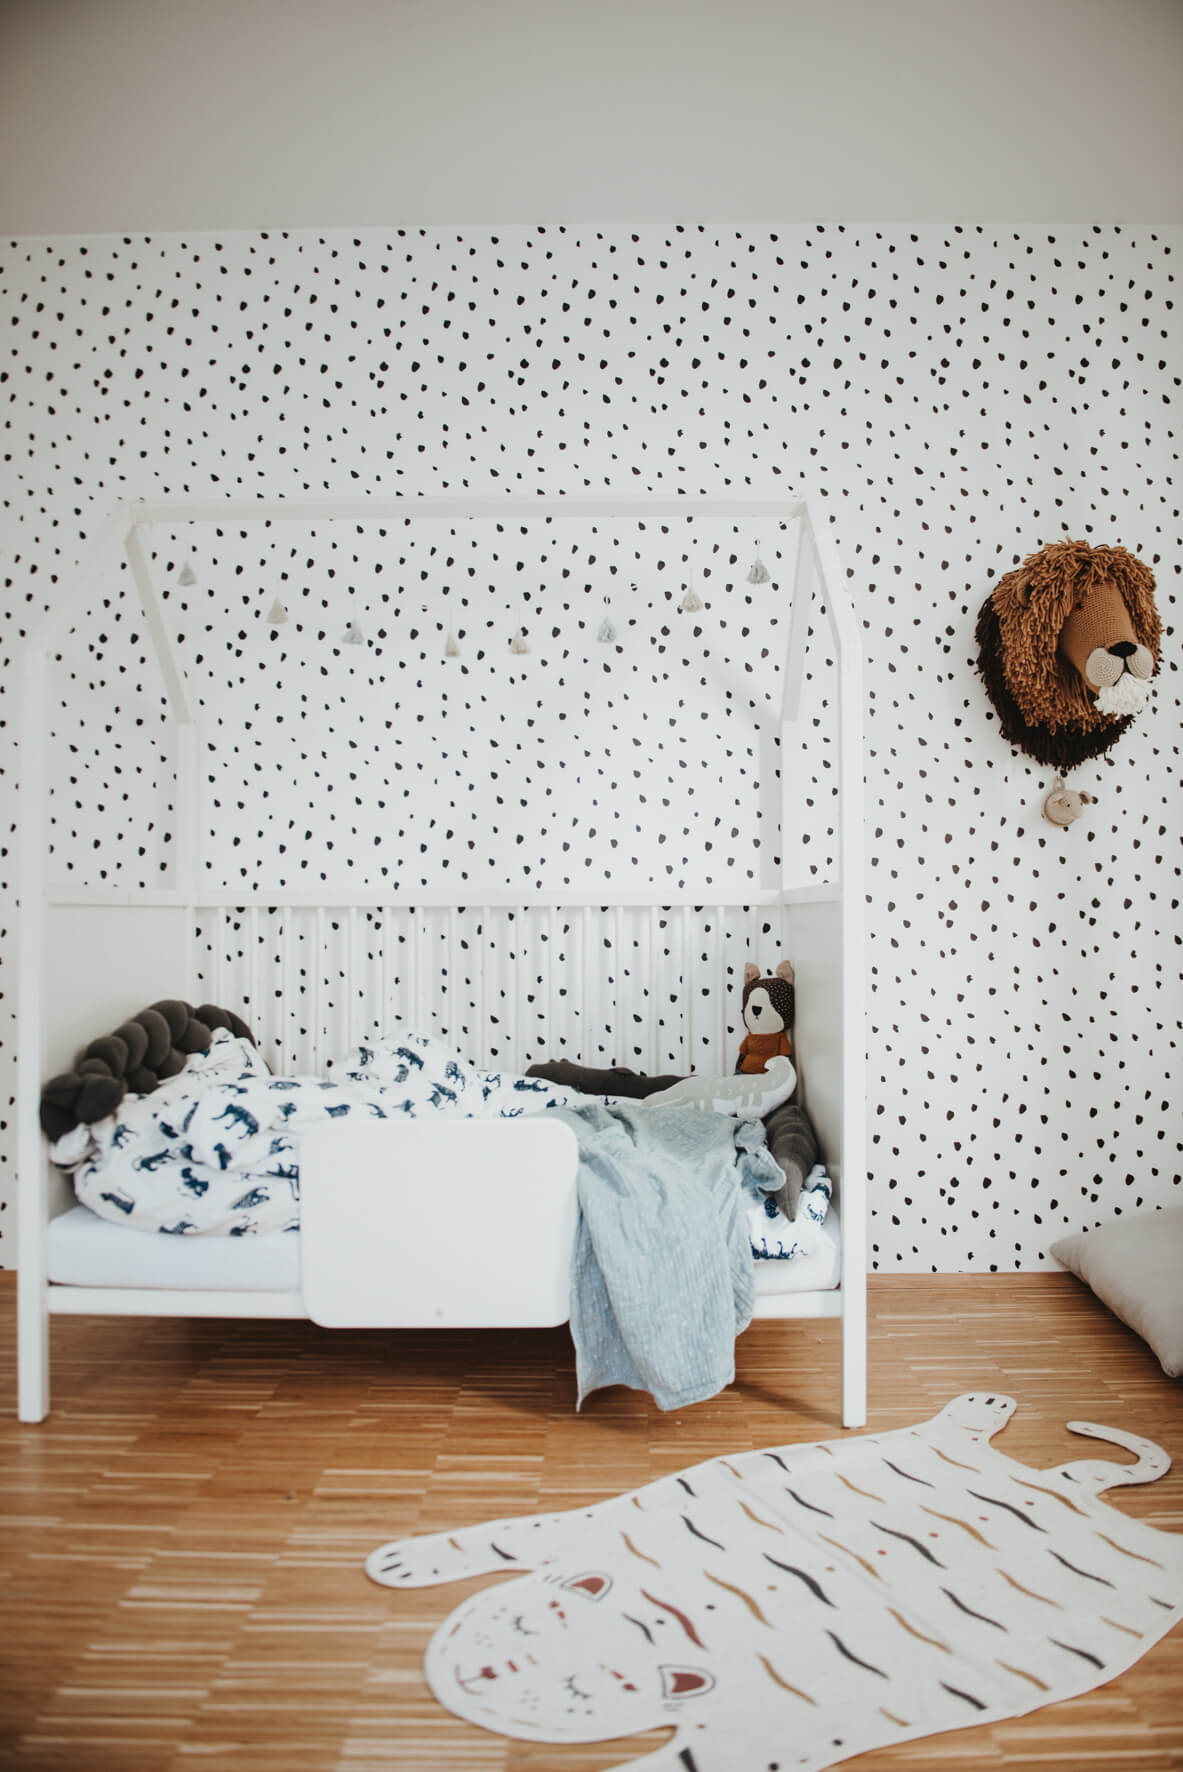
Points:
[(139, 942)]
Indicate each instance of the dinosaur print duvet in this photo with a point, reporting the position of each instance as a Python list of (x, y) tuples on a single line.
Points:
[(216, 1149)]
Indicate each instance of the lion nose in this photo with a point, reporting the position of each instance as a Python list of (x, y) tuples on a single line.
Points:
[(1122, 649), (757, 1010)]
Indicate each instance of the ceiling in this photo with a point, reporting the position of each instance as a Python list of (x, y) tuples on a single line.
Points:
[(148, 115)]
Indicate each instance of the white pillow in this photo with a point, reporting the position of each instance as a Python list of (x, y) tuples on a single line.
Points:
[(743, 1096), (1135, 1266)]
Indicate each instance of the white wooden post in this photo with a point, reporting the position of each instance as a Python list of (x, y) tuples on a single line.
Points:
[(854, 1207), (32, 1180)]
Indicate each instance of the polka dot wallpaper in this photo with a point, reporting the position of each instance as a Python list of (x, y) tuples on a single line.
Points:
[(950, 398), (502, 704)]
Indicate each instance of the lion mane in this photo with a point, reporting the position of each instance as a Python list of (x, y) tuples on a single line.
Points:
[(1042, 702)]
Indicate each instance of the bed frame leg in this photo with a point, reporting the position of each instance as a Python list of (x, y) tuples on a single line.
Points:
[(32, 1348), (854, 1360)]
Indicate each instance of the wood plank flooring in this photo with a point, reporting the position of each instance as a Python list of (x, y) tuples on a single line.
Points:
[(181, 1542)]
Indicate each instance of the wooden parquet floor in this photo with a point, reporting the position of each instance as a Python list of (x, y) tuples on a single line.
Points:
[(181, 1543)]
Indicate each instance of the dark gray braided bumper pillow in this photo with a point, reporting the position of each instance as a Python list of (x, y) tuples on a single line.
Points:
[(135, 1059)]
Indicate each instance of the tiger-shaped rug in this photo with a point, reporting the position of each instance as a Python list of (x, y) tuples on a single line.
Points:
[(792, 1607)]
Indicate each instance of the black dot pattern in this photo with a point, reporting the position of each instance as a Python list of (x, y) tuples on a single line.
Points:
[(347, 748), (949, 398)]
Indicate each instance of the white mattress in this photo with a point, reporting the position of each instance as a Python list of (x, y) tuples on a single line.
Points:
[(85, 1250), (819, 1272)]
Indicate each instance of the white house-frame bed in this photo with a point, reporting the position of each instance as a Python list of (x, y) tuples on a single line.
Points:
[(89, 957)]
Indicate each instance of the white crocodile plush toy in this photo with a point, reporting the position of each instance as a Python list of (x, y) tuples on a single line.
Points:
[(792, 1607)]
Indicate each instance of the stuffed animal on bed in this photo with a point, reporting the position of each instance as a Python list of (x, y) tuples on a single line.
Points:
[(1067, 644), (136, 1058), (768, 1005)]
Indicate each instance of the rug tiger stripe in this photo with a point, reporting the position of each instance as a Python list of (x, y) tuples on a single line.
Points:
[(950, 1586)]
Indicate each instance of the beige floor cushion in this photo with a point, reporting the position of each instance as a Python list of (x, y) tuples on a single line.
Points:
[(1135, 1266)]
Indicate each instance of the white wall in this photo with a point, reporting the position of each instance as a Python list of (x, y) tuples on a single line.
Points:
[(954, 395), (128, 115)]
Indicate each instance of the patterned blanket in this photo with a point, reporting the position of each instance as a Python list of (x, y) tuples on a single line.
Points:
[(216, 1149)]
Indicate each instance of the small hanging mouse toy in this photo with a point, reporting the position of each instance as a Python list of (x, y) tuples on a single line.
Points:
[(1064, 805)]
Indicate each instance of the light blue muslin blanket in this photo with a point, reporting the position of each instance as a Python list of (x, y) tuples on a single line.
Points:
[(662, 1280)]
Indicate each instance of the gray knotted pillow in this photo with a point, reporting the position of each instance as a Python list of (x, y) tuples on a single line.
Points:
[(141, 1054)]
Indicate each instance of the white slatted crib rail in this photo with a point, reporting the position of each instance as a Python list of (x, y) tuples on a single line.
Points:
[(656, 988)]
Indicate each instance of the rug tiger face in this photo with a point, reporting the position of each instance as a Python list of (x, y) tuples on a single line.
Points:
[(1067, 644), (586, 1655)]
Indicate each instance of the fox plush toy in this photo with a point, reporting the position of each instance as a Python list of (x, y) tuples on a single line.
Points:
[(768, 1005)]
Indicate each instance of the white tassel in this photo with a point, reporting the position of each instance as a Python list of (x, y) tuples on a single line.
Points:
[(451, 646), (186, 576), (607, 631), (519, 643), (759, 574), (353, 636), (1128, 695), (277, 614), (691, 602)]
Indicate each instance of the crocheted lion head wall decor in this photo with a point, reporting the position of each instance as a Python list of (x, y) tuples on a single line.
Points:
[(1068, 643)]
